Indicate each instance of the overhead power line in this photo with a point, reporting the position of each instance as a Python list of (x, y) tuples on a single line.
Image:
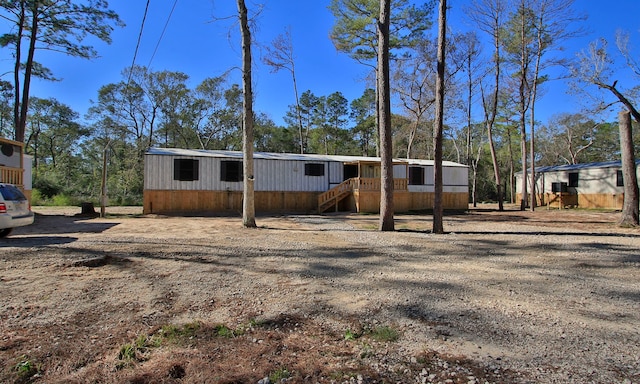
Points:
[(163, 31), (135, 54)]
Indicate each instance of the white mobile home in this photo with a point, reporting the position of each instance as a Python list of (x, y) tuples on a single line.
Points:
[(589, 185), (201, 181), (15, 166)]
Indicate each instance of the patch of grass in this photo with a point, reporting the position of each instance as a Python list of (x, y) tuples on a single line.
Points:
[(190, 329), (222, 330), (26, 368), (169, 332), (138, 350), (279, 374), (174, 333), (385, 333), (351, 335), (127, 352)]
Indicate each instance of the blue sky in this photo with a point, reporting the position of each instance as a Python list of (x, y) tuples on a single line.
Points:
[(196, 44)]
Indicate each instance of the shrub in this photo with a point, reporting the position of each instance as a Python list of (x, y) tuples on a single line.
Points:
[(47, 187), (63, 200), (37, 198)]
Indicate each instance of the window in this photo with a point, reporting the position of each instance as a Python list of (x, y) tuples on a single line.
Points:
[(573, 179), (230, 170), (185, 169), (314, 169), (416, 176), (619, 179), (11, 193)]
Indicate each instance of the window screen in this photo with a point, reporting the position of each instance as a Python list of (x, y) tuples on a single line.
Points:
[(573, 179), (230, 170), (314, 169), (185, 169), (619, 179), (416, 176)]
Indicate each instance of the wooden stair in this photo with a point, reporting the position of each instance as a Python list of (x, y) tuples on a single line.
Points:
[(334, 196)]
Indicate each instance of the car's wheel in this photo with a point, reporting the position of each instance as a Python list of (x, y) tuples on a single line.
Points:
[(5, 232)]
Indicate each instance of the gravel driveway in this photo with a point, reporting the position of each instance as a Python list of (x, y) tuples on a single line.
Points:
[(531, 297)]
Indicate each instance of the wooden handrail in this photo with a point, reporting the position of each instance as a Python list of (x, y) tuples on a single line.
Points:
[(11, 175), (337, 193), (345, 186), (374, 184)]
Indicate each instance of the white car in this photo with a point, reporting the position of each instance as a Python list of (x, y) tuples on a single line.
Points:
[(15, 210)]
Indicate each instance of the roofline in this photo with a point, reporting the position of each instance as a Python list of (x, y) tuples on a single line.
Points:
[(289, 156), (575, 167)]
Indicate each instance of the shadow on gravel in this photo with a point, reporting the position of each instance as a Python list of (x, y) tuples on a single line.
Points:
[(36, 241), (546, 233), (59, 224)]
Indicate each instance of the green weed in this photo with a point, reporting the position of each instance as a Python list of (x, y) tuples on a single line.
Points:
[(222, 330), (127, 352), (351, 335), (26, 367), (281, 373), (385, 333)]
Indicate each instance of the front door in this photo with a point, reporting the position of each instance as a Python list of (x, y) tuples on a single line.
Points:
[(350, 171)]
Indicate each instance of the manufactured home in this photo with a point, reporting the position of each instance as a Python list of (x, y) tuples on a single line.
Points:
[(589, 185), (202, 181), (15, 166)]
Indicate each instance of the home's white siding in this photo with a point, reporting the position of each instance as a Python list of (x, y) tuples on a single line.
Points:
[(596, 180), (10, 155), (270, 175), (454, 179), (27, 179)]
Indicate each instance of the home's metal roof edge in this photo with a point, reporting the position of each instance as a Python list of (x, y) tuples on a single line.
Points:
[(576, 167), (286, 156)]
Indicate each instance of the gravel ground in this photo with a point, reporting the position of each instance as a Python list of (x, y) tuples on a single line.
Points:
[(523, 297)]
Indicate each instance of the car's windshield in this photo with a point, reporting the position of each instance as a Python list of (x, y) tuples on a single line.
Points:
[(9, 192)]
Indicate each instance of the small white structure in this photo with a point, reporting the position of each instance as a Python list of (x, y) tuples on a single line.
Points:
[(589, 185), (184, 180)]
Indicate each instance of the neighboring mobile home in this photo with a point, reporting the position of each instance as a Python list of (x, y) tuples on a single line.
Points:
[(589, 185), (15, 166), (201, 181)]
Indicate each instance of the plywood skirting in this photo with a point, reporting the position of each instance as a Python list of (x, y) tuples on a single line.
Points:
[(584, 200), (165, 201)]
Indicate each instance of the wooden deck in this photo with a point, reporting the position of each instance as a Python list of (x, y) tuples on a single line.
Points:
[(12, 176), (333, 197)]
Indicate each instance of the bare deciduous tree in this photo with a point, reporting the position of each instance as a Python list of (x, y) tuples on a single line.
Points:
[(280, 56), (488, 16), (594, 68)]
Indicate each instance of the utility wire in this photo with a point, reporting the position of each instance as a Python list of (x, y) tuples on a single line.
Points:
[(163, 31), (135, 54)]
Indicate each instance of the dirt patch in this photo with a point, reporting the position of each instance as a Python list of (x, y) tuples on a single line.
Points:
[(545, 296)]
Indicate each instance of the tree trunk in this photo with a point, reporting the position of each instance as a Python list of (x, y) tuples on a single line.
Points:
[(384, 113), (16, 77), (629, 215), (28, 68), (248, 202), (438, 123), (523, 152)]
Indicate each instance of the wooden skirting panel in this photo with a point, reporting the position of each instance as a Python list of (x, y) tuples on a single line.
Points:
[(410, 201), (585, 201), (601, 200), (164, 201), (161, 201)]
